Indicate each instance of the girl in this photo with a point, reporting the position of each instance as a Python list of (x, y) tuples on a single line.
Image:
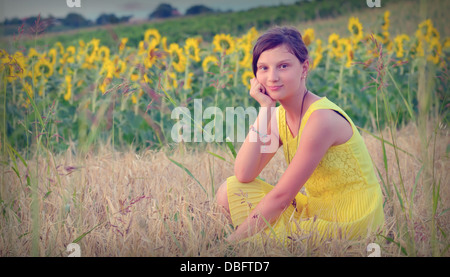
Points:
[(323, 149)]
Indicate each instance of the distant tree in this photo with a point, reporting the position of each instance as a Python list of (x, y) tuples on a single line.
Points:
[(30, 20), (75, 20), (164, 11), (13, 21), (107, 19), (125, 18), (198, 9)]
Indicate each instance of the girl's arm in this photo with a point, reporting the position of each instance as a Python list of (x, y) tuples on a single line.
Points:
[(260, 145), (262, 141), (318, 136)]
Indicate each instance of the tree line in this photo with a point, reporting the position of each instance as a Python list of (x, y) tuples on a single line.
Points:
[(75, 20)]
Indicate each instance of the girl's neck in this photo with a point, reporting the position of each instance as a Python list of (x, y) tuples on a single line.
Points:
[(293, 104)]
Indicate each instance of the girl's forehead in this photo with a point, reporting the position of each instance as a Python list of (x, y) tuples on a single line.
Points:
[(280, 52)]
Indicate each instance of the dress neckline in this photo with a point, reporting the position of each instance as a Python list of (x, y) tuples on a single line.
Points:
[(289, 134)]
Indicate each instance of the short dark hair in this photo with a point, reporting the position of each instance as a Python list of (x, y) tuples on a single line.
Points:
[(277, 36)]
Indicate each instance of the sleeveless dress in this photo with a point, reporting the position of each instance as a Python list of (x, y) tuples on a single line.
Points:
[(343, 197)]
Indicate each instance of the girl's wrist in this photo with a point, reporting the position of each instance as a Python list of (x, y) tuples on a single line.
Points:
[(271, 105)]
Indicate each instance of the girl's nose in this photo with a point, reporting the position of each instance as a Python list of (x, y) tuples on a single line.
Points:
[(273, 75)]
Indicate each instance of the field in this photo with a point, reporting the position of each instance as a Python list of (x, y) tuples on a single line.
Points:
[(89, 154)]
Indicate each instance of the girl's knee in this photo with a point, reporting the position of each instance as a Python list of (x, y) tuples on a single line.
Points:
[(221, 196)]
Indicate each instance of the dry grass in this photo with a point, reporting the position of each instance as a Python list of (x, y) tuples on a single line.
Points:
[(145, 205), (405, 17)]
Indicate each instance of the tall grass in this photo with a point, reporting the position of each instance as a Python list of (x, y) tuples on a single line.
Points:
[(142, 204), (149, 202), (430, 122)]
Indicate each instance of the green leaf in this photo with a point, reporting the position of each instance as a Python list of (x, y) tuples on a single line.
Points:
[(18, 155), (219, 157), (385, 141), (231, 147), (396, 243), (398, 195), (85, 233), (189, 173)]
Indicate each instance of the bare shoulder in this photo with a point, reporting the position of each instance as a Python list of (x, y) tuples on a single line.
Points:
[(325, 122)]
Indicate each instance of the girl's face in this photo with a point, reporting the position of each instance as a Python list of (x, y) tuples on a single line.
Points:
[(280, 72)]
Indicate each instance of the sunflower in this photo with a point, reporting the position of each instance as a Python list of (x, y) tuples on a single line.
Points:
[(223, 43), (103, 53), (373, 50), (435, 51), (171, 81), (386, 22), (134, 77), (91, 50), (308, 36), (251, 35), (417, 49), (43, 68), (446, 43), (207, 61), (178, 57), (164, 44), (398, 44), (434, 34), (16, 64), (68, 93), (32, 54), (424, 28), (141, 48), (154, 35), (122, 44), (120, 66), (188, 84), (244, 49), (71, 52), (317, 54), (246, 77), (151, 57), (386, 40), (356, 29), (28, 88), (335, 45), (104, 84), (108, 69), (191, 49), (133, 99), (51, 56), (348, 49), (60, 47)]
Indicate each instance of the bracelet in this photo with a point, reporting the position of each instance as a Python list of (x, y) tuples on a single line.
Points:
[(252, 128)]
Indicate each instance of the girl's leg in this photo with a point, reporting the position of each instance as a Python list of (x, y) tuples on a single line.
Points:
[(222, 200)]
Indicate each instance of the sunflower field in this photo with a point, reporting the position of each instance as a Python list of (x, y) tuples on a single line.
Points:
[(88, 155), (86, 92)]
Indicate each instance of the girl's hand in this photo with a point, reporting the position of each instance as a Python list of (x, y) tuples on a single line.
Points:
[(258, 92)]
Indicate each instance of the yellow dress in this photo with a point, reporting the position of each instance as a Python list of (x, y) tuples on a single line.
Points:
[(343, 197)]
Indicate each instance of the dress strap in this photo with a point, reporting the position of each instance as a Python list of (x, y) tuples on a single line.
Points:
[(324, 104)]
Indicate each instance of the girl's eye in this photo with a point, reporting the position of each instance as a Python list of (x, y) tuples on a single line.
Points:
[(283, 66), (262, 68)]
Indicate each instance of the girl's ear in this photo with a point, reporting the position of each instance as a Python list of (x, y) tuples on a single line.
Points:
[(305, 67)]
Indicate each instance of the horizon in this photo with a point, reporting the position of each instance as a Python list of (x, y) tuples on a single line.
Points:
[(138, 9)]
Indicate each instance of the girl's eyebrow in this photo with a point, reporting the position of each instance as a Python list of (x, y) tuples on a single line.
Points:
[(279, 62)]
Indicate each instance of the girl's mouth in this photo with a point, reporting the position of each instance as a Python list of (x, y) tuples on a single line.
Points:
[(274, 88)]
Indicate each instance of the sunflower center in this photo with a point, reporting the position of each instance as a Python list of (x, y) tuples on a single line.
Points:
[(224, 44)]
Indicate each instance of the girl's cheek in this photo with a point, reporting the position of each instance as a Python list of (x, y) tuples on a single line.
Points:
[(259, 77)]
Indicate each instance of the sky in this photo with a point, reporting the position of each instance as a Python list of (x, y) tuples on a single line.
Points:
[(140, 9)]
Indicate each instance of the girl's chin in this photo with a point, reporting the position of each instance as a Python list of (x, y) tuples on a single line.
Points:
[(277, 96)]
